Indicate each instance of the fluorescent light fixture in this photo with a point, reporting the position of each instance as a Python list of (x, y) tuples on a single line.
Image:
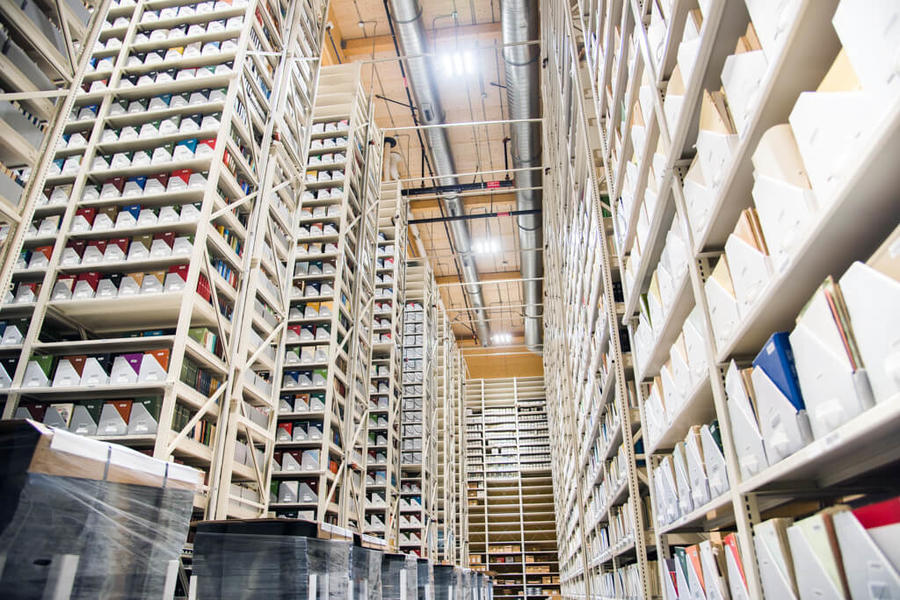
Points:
[(486, 246), (501, 338), (457, 64)]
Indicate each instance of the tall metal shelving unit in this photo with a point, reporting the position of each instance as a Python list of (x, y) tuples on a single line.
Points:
[(42, 54), (135, 324), (383, 461), (669, 107), (419, 438), (247, 446), (323, 401), (512, 520), (449, 430)]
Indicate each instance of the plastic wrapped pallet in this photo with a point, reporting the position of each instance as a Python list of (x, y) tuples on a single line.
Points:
[(83, 519), (466, 577), (365, 573), (478, 580), (398, 577), (269, 558), (424, 579), (446, 585)]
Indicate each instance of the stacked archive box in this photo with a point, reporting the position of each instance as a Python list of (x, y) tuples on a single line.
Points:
[(509, 487), (136, 318), (318, 463), (418, 442), (41, 50), (383, 461), (755, 228), (449, 382)]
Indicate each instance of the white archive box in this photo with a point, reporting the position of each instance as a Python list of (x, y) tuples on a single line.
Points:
[(870, 33), (689, 47), (833, 126), (698, 197), (776, 566), (773, 21), (717, 140), (871, 292), (835, 386), (784, 200), (684, 499), (748, 261), (869, 552), (723, 306), (781, 413), (742, 78), (816, 557), (747, 438), (712, 562), (696, 467)]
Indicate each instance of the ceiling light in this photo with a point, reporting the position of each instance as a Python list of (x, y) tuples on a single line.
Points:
[(457, 64), (486, 246), (501, 338)]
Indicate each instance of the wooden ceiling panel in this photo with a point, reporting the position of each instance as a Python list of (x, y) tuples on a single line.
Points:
[(479, 156)]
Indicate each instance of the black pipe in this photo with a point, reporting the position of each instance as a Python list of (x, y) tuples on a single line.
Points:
[(386, 99), (506, 141), (459, 187), (337, 54), (510, 213), (425, 161)]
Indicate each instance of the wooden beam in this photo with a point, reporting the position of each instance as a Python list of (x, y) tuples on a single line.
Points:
[(469, 202), (510, 361), (362, 47), (444, 279)]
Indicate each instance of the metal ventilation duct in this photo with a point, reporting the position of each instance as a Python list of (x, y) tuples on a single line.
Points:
[(407, 17), (520, 23)]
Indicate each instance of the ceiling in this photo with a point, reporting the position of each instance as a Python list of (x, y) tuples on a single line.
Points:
[(360, 32)]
